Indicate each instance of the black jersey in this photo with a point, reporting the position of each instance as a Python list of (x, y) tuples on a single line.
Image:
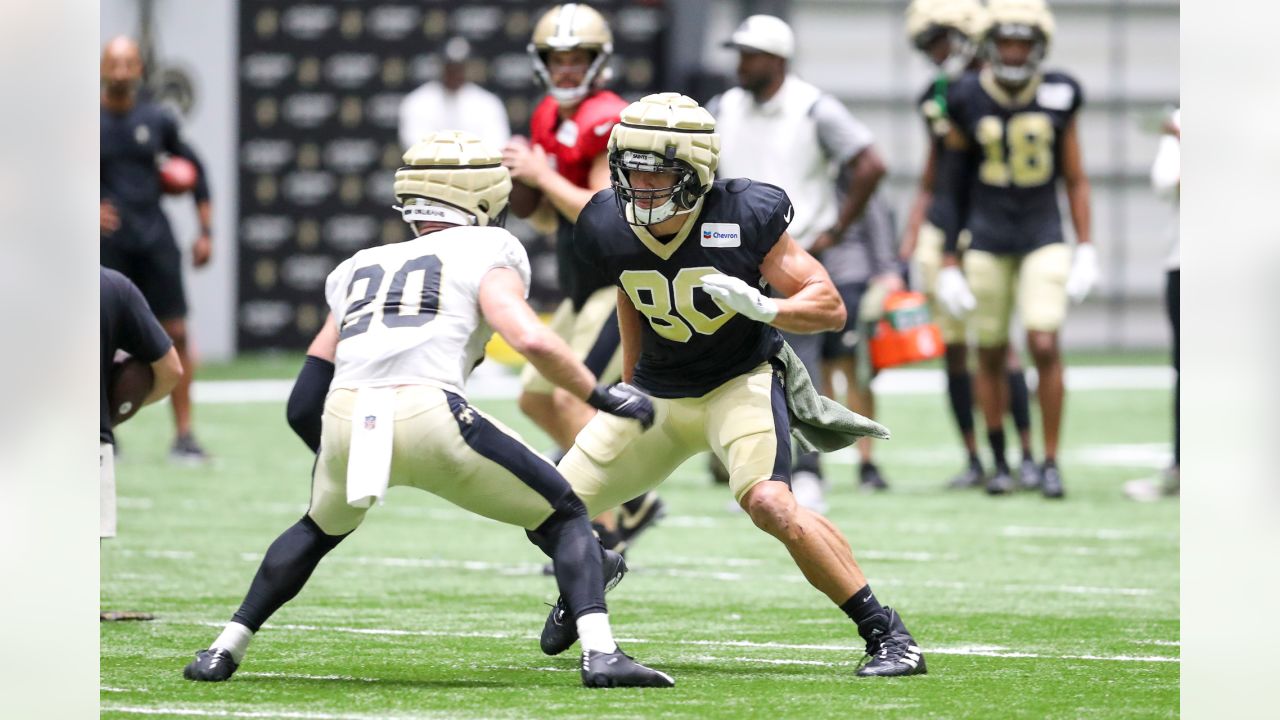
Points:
[(127, 324), (932, 105), (689, 344), (578, 279), (130, 146), (1015, 143)]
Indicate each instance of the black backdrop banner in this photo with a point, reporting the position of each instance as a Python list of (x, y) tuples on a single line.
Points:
[(320, 85)]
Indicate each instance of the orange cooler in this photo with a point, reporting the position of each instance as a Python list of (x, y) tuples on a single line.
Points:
[(905, 333)]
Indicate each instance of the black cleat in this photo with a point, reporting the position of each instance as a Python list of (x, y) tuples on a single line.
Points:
[(212, 665), (560, 631), (971, 477), (892, 650), (869, 477), (618, 669), (1000, 482), (637, 515), (1029, 473), (1051, 482)]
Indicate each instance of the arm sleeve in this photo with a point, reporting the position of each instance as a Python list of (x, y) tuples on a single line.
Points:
[(841, 135), (173, 144), (139, 333), (956, 170), (305, 408)]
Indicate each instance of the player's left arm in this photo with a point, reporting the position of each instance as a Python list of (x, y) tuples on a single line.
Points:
[(1077, 183), (811, 303), (172, 142), (629, 330)]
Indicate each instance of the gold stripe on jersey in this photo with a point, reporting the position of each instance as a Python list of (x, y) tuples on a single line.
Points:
[(657, 247), (1022, 98)]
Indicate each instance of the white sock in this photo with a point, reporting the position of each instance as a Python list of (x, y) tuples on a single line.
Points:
[(234, 639), (595, 634)]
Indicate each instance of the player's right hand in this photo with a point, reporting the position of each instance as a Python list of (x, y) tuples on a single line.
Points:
[(108, 218), (953, 292), (624, 401)]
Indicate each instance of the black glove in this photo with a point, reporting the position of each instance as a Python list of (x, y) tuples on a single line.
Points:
[(624, 401)]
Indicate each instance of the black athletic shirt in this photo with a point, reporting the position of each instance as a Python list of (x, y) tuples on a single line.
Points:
[(689, 344), (128, 325), (129, 178), (1014, 158), (578, 280)]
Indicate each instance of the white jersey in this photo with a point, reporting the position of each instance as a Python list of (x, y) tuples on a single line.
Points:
[(409, 313)]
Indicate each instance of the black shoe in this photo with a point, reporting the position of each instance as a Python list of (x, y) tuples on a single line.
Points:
[(187, 451), (869, 477), (618, 669), (971, 477), (1000, 482), (560, 631), (1051, 482), (637, 515), (892, 650), (1029, 473), (212, 665)]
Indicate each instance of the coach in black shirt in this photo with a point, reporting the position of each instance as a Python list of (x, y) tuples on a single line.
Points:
[(136, 238)]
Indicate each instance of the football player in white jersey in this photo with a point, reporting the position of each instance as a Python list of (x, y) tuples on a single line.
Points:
[(409, 322)]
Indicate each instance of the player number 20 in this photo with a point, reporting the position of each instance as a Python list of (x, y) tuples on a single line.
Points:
[(653, 296), (1030, 144), (396, 310)]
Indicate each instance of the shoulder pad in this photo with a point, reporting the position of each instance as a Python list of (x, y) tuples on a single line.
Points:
[(602, 197), (737, 185)]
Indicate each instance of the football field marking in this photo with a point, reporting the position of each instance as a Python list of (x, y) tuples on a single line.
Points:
[(283, 714), (991, 651)]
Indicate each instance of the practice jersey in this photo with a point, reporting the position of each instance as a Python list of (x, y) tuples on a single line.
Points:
[(572, 145), (689, 344), (1016, 142), (409, 313), (130, 146), (932, 104)]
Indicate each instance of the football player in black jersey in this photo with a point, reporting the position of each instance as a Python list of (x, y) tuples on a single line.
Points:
[(136, 239), (948, 33), (1014, 133), (692, 257)]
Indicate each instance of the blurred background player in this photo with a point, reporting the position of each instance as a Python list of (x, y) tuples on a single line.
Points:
[(1013, 134), (408, 323), (556, 174), (127, 325), (779, 129), (948, 33), (135, 236), (1166, 179), (452, 102)]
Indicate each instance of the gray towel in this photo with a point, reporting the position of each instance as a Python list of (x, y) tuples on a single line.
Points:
[(819, 423)]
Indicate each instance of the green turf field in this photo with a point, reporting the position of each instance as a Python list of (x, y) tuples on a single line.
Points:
[(1025, 607)]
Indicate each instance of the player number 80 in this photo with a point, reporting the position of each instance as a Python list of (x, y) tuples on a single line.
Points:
[(652, 295)]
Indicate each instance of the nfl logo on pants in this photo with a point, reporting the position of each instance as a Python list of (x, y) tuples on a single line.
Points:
[(370, 422)]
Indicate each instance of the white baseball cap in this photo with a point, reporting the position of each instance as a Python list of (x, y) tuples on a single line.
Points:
[(764, 33)]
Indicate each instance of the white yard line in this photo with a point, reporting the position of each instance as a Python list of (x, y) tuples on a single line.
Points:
[(492, 382), (993, 651), (283, 714)]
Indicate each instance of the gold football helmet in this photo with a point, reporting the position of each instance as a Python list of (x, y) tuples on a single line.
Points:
[(567, 27), (1018, 20), (452, 177), (963, 22), (665, 132)]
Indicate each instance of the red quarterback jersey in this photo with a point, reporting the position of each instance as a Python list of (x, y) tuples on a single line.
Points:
[(572, 143)]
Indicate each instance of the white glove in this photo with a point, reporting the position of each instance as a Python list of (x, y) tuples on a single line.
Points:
[(953, 292), (1084, 272), (734, 294)]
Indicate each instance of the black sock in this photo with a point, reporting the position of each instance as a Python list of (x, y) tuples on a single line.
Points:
[(286, 567), (575, 553), (636, 504), (996, 438), (862, 607), (960, 392), (1050, 462), (974, 460), (1019, 400)]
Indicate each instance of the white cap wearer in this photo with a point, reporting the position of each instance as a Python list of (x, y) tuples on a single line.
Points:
[(457, 50), (764, 33)]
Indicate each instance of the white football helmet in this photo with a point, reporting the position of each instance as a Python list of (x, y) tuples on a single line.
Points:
[(1020, 20), (666, 132), (963, 22), (568, 27), (452, 177)]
